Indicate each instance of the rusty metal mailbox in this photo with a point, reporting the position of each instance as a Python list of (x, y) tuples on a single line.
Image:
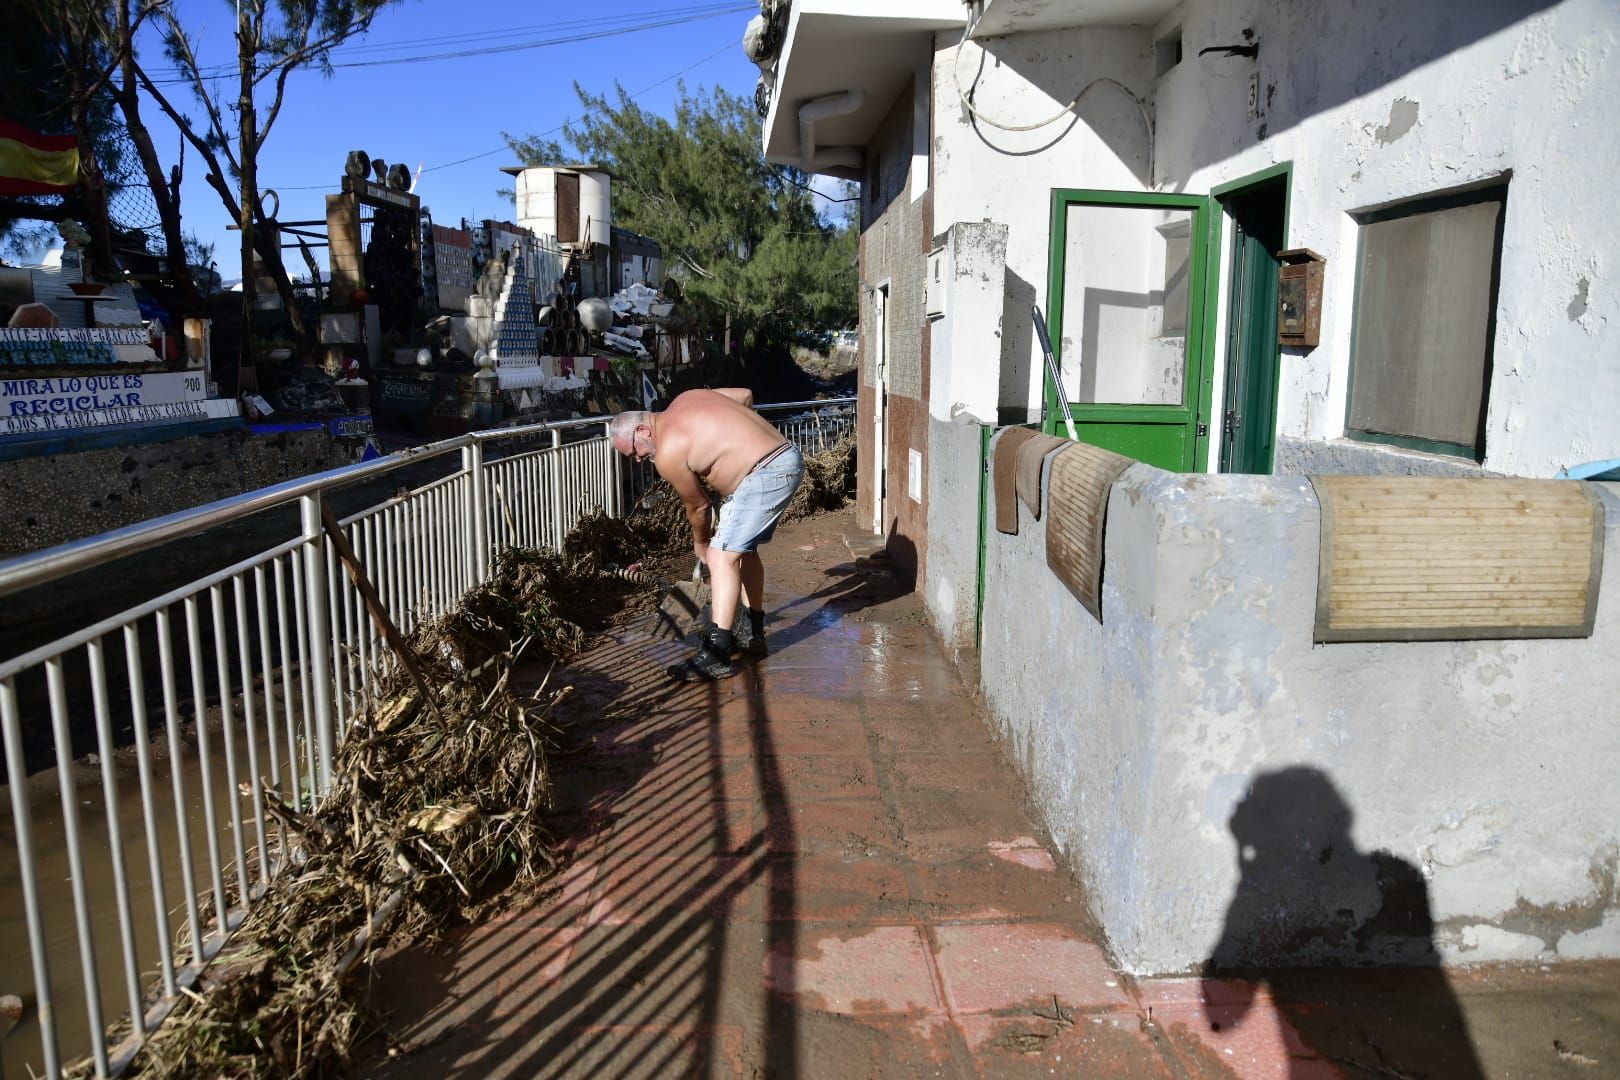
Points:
[(1299, 297)]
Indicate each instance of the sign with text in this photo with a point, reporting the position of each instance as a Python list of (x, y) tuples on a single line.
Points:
[(21, 348), (68, 394), (64, 423)]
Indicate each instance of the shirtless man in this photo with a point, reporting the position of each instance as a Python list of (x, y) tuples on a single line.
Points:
[(716, 437)]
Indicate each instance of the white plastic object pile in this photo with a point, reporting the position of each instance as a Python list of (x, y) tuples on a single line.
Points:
[(632, 309), (595, 316)]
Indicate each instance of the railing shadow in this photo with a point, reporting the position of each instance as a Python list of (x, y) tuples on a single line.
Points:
[(647, 955)]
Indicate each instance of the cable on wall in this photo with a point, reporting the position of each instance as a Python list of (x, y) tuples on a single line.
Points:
[(1141, 106)]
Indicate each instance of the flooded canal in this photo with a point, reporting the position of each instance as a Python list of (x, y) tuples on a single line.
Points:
[(157, 906)]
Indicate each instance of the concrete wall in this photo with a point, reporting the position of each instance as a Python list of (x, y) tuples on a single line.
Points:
[(1318, 457), (1229, 791), (982, 173), (57, 499), (965, 342), (951, 589), (1374, 102)]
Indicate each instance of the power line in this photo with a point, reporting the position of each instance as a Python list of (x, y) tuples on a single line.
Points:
[(813, 191), (506, 147), (348, 48), (672, 17)]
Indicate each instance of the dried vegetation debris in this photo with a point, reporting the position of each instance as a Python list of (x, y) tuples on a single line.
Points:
[(829, 481), (439, 815)]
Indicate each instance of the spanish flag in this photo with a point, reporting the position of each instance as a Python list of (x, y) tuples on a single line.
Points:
[(35, 164)]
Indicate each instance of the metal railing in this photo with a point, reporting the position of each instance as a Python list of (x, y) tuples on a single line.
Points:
[(253, 673)]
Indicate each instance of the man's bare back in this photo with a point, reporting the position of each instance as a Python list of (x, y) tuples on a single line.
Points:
[(712, 435), (715, 436)]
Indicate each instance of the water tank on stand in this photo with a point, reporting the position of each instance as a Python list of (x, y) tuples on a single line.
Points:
[(595, 207), (572, 203)]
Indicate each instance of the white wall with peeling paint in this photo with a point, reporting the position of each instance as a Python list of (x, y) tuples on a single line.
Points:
[(1374, 102), (984, 174), (1379, 102), (1229, 790)]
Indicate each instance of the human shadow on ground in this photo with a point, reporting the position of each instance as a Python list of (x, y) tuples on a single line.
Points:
[(1307, 901)]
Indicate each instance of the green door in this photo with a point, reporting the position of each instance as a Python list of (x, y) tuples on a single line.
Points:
[(1126, 314), (1249, 402)]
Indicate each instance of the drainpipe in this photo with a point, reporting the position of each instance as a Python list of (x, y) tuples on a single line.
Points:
[(823, 108)]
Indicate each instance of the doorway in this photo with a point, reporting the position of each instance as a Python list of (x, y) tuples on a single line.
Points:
[(880, 404), (1127, 322), (1258, 211)]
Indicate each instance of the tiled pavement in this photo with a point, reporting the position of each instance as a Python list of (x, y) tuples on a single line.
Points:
[(823, 867)]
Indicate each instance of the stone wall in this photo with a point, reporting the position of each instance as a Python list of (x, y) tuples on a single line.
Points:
[(51, 500)]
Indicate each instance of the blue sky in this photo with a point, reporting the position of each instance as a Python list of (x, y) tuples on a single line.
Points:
[(439, 112)]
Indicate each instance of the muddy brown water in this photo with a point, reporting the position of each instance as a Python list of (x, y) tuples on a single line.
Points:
[(22, 1050), (38, 616)]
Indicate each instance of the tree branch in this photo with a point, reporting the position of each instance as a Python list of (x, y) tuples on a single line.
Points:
[(216, 175), (180, 48)]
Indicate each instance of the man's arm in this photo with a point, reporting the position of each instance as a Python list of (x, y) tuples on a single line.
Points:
[(698, 511), (740, 394)]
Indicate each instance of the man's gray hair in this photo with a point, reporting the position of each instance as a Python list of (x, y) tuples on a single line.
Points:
[(622, 428)]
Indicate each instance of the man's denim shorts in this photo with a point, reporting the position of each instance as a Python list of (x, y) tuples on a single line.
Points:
[(748, 517)]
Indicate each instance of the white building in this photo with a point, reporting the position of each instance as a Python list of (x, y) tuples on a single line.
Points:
[(1143, 171), (1448, 161)]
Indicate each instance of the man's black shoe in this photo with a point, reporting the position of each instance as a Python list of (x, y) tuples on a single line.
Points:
[(710, 662), (755, 645)]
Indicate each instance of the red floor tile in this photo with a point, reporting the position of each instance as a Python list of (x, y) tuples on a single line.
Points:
[(980, 773), (695, 829), (653, 1052), (1235, 1023), (795, 779), (914, 728), (830, 889), (988, 886), (855, 969), (1025, 966), (937, 821), (855, 827), (830, 732), (639, 889), (1046, 1043)]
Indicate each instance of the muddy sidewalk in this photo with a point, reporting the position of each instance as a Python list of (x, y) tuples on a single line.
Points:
[(825, 867)]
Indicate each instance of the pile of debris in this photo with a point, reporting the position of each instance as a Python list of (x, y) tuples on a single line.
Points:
[(629, 320), (829, 481), (438, 817), (440, 813)]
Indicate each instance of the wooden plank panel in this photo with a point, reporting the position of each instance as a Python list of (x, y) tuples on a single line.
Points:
[(1077, 502), (1430, 559)]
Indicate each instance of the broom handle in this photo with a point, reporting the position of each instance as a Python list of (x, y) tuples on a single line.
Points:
[(1052, 370), (374, 605)]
